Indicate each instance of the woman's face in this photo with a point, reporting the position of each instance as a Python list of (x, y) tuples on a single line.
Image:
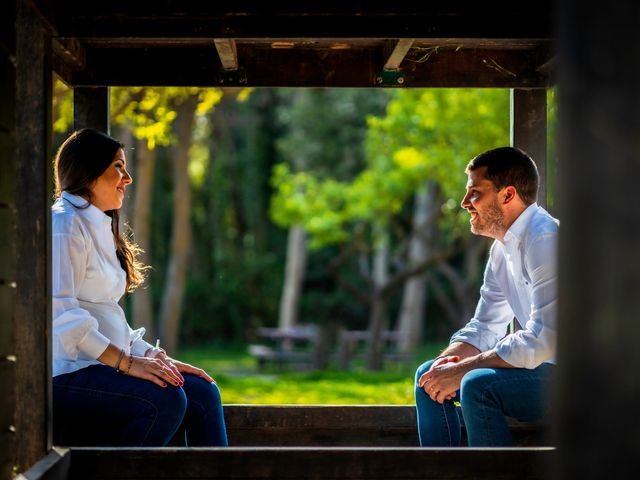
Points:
[(109, 189)]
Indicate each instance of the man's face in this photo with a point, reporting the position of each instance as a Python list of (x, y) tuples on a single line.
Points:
[(482, 203)]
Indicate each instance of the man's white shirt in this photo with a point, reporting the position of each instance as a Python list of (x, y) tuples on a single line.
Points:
[(520, 281)]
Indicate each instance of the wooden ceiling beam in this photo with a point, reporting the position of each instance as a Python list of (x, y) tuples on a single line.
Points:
[(441, 67), (292, 18), (227, 52)]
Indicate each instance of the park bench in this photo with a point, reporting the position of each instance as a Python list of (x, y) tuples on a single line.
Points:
[(286, 347), (350, 343)]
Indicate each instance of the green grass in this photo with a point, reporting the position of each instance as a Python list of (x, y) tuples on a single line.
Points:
[(235, 372)]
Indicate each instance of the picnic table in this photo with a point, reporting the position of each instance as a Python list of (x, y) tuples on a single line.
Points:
[(349, 341), (283, 347)]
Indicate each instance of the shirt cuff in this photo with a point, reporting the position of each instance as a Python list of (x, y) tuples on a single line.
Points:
[(93, 344), (471, 340)]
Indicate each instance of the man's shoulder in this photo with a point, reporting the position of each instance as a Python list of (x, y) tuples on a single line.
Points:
[(542, 224)]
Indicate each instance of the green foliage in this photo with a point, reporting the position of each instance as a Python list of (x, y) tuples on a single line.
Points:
[(426, 136), (150, 111), (62, 107), (444, 129), (235, 274)]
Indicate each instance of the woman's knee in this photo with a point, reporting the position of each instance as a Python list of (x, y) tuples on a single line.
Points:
[(204, 393), (171, 403)]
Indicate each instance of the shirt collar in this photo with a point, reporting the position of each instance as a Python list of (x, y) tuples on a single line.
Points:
[(87, 209), (519, 226)]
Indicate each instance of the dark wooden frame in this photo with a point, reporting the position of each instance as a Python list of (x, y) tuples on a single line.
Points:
[(86, 47)]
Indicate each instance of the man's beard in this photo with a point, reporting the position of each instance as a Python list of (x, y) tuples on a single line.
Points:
[(491, 222)]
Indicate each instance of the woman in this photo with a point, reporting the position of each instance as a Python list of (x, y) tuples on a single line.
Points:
[(111, 387)]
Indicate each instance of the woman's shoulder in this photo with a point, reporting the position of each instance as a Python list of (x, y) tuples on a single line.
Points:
[(65, 220)]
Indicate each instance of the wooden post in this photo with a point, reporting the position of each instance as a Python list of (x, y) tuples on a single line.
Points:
[(599, 358), (7, 239), (91, 108), (33, 250), (529, 130)]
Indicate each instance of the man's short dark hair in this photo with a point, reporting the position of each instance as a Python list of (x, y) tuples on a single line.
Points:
[(509, 166)]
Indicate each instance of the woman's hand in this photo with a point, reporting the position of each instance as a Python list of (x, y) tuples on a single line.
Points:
[(186, 368), (170, 364), (154, 370)]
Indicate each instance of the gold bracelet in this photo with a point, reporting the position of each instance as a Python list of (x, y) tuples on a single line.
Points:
[(117, 367), (129, 364)]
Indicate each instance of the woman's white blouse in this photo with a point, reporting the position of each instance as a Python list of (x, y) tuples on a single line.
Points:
[(87, 282)]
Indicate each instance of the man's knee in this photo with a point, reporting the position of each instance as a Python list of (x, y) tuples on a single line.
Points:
[(476, 385)]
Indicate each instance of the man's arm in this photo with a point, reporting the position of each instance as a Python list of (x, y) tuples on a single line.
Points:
[(459, 349)]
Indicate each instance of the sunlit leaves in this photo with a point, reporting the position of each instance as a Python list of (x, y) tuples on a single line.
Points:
[(62, 107), (426, 136)]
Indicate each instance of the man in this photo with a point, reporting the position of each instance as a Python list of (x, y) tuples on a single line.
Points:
[(491, 372)]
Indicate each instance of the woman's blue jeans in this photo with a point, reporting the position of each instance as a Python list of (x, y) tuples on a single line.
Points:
[(486, 395), (98, 406)]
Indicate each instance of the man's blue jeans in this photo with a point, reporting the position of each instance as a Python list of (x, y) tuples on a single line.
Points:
[(98, 406), (486, 396)]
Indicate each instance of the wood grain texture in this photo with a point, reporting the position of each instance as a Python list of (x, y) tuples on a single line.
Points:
[(311, 463), (529, 131), (33, 187)]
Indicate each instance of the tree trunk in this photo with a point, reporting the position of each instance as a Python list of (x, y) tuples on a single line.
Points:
[(411, 319), (294, 276), (378, 313), (181, 234), (143, 183), (464, 284)]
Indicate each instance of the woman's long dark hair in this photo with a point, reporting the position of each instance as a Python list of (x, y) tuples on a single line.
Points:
[(81, 159)]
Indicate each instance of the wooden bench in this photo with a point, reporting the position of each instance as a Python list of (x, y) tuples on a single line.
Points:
[(349, 341), (348, 442), (286, 347), (345, 426)]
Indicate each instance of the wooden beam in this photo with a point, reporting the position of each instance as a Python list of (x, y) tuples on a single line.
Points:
[(343, 425), (291, 18), (91, 108), (599, 102), (8, 267), (312, 463), (529, 131), (399, 51), (33, 251), (227, 52), (70, 51), (437, 67)]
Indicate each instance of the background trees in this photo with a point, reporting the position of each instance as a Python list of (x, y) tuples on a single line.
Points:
[(336, 206)]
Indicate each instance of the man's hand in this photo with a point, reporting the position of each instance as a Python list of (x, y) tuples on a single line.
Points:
[(443, 378), (445, 375)]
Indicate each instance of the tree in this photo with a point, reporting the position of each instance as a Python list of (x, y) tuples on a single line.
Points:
[(419, 147), (163, 116), (325, 130)]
